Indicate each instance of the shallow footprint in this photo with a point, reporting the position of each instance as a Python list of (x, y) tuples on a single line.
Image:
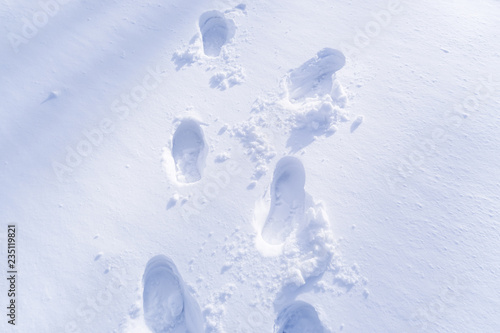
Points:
[(188, 151), (287, 200), (215, 30), (167, 305), (314, 77), (299, 317)]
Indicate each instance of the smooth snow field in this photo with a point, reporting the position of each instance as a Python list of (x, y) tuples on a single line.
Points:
[(248, 167)]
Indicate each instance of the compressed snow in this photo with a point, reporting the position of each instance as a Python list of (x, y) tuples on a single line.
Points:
[(217, 166)]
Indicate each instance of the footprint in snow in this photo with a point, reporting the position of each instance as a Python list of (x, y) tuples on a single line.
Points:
[(189, 151), (299, 317), (292, 225), (216, 31), (287, 200), (168, 307), (314, 77)]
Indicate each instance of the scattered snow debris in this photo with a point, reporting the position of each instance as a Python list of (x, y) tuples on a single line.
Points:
[(309, 251), (256, 145), (319, 118), (190, 54), (346, 277), (227, 78), (303, 108), (215, 310), (97, 109), (306, 250)]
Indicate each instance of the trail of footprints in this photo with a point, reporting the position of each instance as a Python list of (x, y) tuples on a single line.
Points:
[(167, 305)]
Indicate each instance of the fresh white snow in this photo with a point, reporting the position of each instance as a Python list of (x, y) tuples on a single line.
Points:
[(218, 166)]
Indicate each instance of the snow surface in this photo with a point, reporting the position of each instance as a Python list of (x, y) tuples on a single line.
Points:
[(218, 166)]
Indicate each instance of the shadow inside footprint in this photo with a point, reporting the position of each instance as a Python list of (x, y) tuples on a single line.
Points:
[(167, 305), (314, 77), (216, 31), (188, 151), (299, 317), (287, 200)]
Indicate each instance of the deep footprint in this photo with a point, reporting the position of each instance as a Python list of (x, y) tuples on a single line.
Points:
[(314, 77), (287, 200), (216, 31), (299, 317), (167, 305), (188, 151)]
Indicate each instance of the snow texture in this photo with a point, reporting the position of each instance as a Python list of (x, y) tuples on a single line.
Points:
[(219, 167)]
